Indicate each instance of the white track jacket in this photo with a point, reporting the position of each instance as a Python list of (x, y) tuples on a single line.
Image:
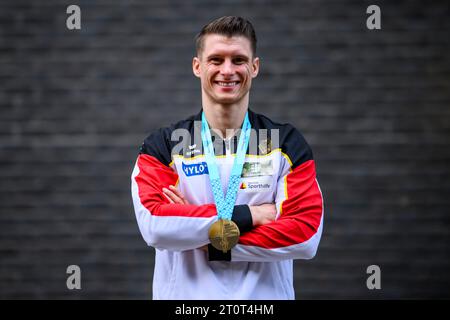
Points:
[(280, 170)]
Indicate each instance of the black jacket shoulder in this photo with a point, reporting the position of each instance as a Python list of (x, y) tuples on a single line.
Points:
[(163, 142), (289, 140)]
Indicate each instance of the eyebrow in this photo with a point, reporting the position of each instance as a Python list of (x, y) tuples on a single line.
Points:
[(217, 55)]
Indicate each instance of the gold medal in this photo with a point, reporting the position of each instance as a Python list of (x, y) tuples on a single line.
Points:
[(224, 235)]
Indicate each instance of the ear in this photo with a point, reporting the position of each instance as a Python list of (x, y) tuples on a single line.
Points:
[(196, 67), (255, 67)]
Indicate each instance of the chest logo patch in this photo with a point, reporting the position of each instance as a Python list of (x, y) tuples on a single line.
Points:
[(195, 169), (258, 184), (259, 168)]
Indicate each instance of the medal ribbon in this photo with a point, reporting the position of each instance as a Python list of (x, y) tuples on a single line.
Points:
[(225, 205)]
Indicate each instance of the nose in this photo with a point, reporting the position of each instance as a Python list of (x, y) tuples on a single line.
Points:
[(227, 68)]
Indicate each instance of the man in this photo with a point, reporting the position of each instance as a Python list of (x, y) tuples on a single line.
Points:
[(273, 206)]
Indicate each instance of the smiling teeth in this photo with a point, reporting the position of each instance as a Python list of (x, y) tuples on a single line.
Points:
[(227, 84)]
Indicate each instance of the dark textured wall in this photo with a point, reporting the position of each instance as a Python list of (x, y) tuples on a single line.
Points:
[(76, 105)]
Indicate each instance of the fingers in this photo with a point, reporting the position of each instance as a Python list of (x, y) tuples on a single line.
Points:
[(174, 196), (177, 192), (168, 198), (263, 214)]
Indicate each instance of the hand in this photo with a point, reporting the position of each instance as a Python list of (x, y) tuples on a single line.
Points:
[(174, 195), (263, 214)]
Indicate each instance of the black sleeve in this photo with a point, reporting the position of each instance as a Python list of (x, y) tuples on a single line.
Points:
[(158, 145)]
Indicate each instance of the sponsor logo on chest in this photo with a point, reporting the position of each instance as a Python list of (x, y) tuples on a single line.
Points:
[(258, 184), (195, 169)]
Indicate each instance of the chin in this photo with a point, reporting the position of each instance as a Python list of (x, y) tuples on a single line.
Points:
[(227, 100)]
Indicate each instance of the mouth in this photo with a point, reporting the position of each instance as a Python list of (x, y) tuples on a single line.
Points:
[(227, 84)]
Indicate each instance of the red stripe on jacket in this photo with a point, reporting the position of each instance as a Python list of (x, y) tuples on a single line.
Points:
[(301, 212), (152, 177)]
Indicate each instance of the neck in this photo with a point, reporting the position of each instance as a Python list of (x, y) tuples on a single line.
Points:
[(225, 119)]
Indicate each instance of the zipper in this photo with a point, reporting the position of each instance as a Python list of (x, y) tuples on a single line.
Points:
[(227, 147)]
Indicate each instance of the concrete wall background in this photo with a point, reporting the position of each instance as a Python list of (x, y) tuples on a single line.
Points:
[(76, 105)]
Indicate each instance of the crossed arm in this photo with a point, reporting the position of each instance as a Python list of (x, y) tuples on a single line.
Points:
[(261, 215), (167, 221)]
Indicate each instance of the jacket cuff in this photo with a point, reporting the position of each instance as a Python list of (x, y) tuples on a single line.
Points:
[(217, 255), (243, 218)]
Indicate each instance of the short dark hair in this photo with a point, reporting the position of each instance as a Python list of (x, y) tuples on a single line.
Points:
[(228, 26)]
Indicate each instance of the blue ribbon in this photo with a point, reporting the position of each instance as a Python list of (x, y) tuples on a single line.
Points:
[(225, 205)]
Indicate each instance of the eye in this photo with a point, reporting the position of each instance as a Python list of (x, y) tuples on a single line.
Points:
[(215, 61), (239, 61)]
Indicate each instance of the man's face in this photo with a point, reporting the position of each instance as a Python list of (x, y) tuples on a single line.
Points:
[(225, 67)]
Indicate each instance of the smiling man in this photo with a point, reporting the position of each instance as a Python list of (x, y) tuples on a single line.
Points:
[(229, 210)]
